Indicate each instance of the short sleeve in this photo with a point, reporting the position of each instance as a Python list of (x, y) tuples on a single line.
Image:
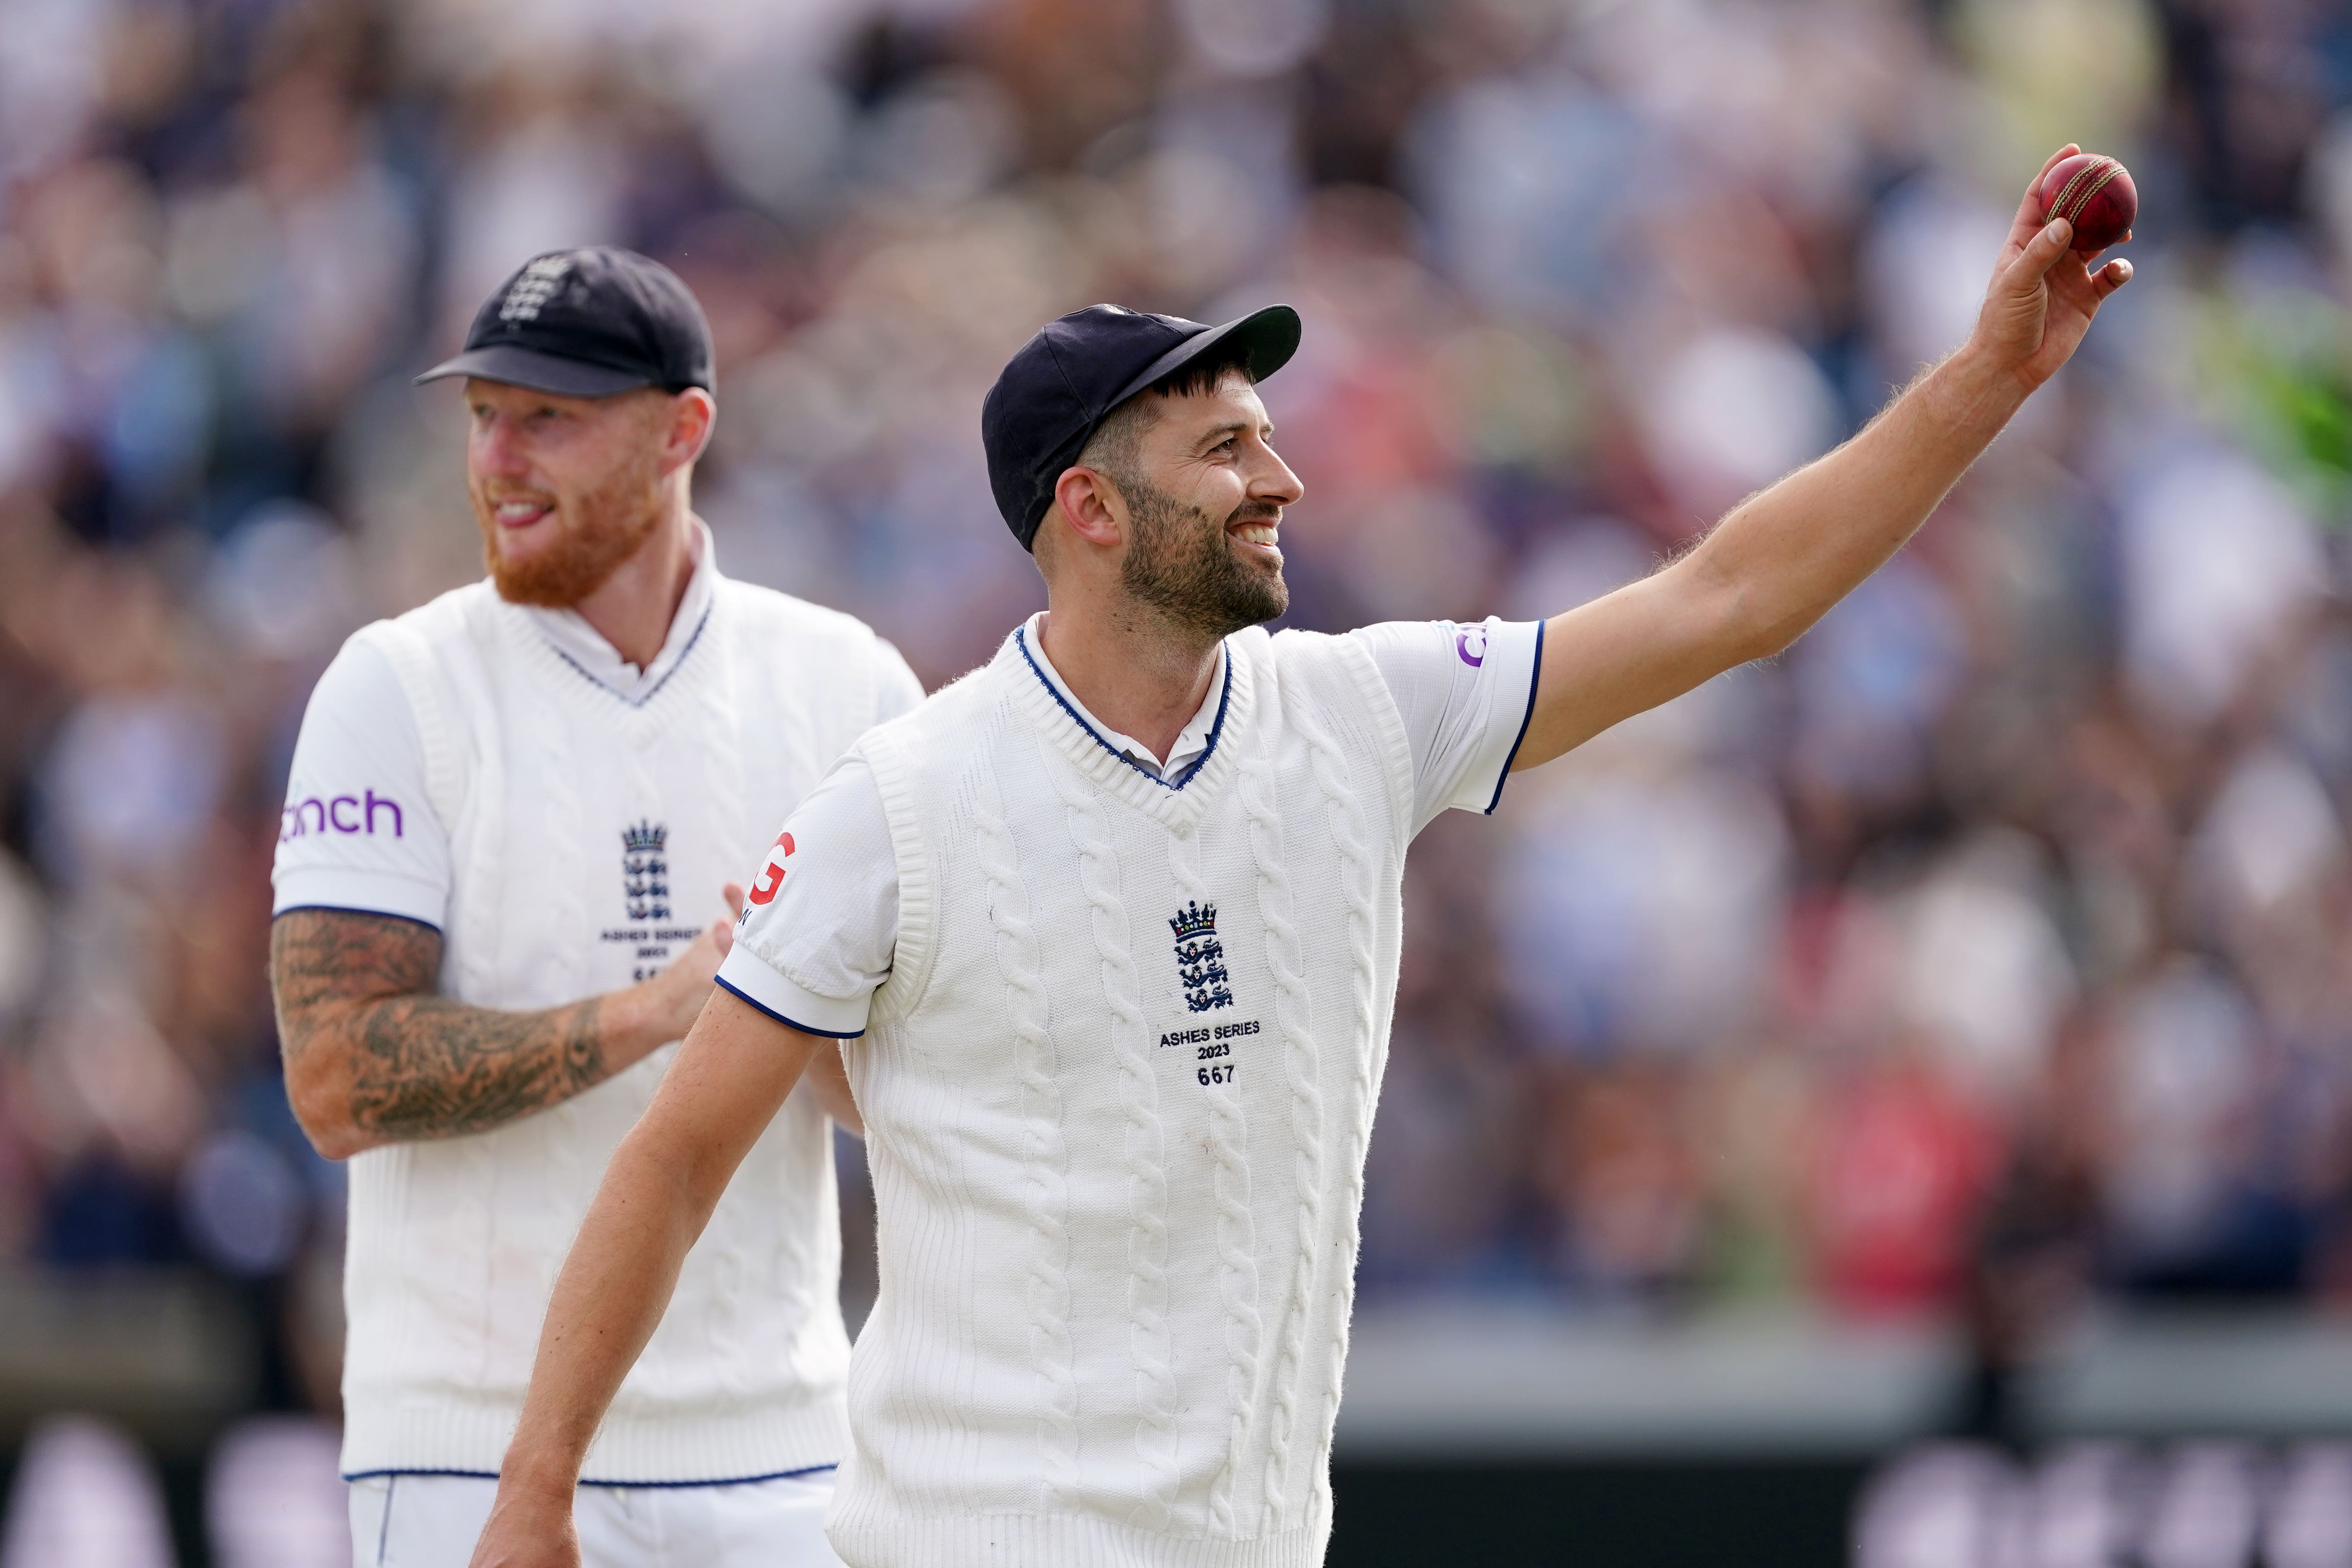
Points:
[(357, 831), (895, 689), (1466, 693), (820, 921)]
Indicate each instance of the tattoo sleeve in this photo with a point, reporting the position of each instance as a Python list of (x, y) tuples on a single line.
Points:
[(360, 1028)]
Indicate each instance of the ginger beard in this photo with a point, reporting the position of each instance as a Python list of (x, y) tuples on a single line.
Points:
[(1180, 562), (601, 527)]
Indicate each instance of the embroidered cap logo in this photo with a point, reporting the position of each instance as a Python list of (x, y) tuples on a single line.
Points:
[(1200, 958), (532, 288)]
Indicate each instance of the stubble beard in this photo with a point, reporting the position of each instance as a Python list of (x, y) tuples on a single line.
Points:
[(1181, 563), (602, 529)]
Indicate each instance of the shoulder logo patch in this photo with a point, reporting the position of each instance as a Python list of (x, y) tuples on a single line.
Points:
[(770, 878)]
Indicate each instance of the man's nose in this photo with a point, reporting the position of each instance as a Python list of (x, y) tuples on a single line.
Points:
[(1275, 482), (497, 449)]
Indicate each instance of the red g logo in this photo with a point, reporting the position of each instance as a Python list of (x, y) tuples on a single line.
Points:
[(772, 870)]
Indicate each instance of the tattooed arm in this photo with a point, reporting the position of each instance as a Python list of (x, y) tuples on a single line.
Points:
[(373, 1056)]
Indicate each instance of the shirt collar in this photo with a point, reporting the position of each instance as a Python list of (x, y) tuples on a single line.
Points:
[(1191, 741), (585, 648)]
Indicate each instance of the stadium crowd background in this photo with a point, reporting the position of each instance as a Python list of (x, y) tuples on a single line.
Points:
[(1991, 948)]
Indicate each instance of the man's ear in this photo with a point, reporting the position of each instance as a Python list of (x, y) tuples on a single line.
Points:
[(1091, 506), (692, 413)]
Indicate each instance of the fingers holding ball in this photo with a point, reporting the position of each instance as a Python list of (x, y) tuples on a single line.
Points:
[(2095, 194)]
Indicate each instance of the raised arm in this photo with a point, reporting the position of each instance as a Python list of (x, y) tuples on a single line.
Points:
[(1781, 558), (734, 1070), (373, 1056)]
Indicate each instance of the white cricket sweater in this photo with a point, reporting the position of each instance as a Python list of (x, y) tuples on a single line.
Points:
[(589, 836), (1117, 1089)]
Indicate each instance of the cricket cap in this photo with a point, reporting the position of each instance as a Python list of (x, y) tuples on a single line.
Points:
[(587, 324), (1057, 391)]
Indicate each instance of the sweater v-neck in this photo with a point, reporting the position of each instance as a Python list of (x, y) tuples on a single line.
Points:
[(586, 652), (1178, 804), (1192, 742), (641, 716)]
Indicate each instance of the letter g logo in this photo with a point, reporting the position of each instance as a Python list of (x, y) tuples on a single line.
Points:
[(772, 870)]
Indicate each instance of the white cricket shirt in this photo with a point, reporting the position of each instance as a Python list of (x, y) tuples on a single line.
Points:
[(567, 822), (1118, 1083), (826, 900)]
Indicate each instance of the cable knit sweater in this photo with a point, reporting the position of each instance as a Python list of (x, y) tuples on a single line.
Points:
[(1117, 1089), (589, 838)]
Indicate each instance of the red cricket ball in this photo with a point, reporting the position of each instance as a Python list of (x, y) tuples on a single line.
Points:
[(2094, 193)]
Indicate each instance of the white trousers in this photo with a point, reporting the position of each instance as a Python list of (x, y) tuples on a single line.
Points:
[(432, 1521)]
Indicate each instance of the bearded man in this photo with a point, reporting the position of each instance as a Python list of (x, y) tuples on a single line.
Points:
[(1118, 918), (511, 814)]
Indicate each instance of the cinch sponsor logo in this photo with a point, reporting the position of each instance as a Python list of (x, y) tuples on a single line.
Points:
[(1470, 642), (339, 814)]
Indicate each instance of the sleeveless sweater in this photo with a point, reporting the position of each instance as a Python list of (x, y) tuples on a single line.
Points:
[(1117, 1089), (589, 839)]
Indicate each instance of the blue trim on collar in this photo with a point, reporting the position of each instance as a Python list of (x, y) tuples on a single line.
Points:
[(1216, 726), (683, 655), (1535, 682)]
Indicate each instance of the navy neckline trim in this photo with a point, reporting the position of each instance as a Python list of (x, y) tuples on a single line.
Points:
[(592, 1482), (1216, 726), (1535, 682), (683, 655)]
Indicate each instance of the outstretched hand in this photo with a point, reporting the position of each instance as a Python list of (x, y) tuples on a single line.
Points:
[(2043, 295)]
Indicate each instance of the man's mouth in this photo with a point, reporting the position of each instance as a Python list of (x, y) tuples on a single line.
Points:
[(521, 511), (1260, 534)]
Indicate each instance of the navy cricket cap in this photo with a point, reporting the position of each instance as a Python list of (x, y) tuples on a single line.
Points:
[(1055, 392), (587, 324)]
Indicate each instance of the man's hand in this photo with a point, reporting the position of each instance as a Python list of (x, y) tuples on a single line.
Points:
[(665, 1006), (373, 1055), (529, 1530), (2043, 295), (1783, 556)]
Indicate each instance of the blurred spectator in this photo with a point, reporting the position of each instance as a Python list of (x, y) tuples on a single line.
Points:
[(84, 1496)]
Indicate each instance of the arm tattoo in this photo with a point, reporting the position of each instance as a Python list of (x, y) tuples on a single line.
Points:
[(421, 1066)]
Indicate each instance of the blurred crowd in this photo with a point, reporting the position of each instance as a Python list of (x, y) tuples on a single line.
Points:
[(1989, 950)]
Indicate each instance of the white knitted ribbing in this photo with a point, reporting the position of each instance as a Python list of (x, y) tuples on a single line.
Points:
[(1284, 958), (1344, 810), (716, 711), (1048, 1293), (1147, 1238), (1236, 1229)]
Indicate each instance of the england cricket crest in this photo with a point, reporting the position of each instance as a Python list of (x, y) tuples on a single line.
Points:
[(645, 871), (1200, 958)]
